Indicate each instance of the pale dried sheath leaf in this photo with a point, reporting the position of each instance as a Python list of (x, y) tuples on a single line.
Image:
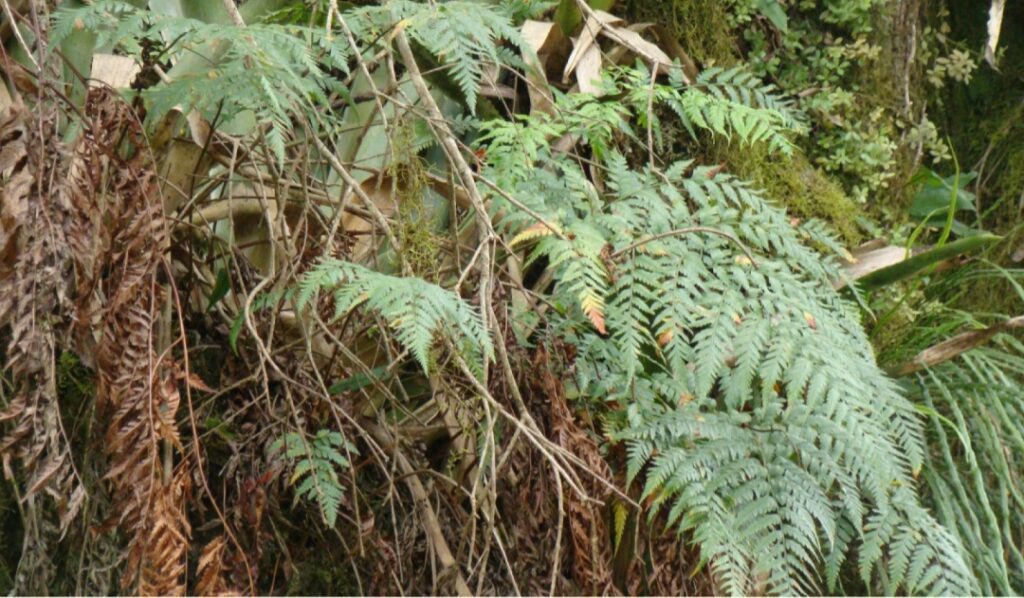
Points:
[(113, 70), (870, 261), (378, 190), (587, 39), (252, 231), (541, 39), (588, 71), (178, 167), (640, 46), (622, 54), (995, 25)]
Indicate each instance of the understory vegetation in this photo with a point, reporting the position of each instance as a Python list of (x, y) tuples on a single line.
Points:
[(495, 297)]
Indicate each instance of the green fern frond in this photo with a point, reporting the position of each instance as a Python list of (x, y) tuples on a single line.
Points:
[(755, 411), (731, 104), (417, 311), (314, 464), (463, 35), (276, 72), (740, 86)]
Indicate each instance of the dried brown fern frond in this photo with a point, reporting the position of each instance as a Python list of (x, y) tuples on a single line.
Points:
[(164, 545), (119, 292), (589, 536), (34, 275), (213, 570)]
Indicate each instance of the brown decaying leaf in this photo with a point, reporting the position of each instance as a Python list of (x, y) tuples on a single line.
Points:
[(588, 71), (586, 40), (587, 564), (589, 539), (542, 38), (586, 59), (379, 190)]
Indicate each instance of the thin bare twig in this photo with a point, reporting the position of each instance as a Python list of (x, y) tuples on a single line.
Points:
[(236, 17), (430, 522), (685, 231), (444, 134)]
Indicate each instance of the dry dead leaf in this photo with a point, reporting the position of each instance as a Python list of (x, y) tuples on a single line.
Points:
[(542, 38), (995, 25), (640, 46), (116, 71), (212, 570), (587, 39), (583, 60), (379, 191), (588, 71), (178, 166), (869, 261)]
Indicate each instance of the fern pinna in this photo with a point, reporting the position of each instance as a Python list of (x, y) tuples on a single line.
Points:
[(419, 312), (315, 462), (746, 389)]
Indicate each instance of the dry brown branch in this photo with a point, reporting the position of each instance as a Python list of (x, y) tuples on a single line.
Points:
[(429, 519), (954, 347)]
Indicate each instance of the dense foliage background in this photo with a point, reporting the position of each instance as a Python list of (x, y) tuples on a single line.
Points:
[(662, 297)]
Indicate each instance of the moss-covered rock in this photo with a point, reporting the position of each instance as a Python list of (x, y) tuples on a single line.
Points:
[(701, 26), (797, 185)]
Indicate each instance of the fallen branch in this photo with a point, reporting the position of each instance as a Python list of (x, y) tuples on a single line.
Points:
[(954, 347), (430, 523)]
